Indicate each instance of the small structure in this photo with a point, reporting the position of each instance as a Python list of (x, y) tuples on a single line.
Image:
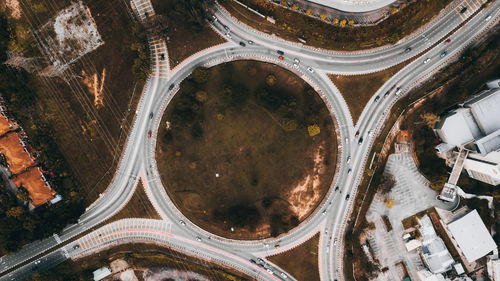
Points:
[(101, 273), (493, 267), (472, 237), (459, 269), (493, 84), (434, 251), (413, 244)]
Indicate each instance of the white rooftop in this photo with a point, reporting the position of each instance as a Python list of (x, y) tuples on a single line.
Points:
[(101, 273), (434, 251), (355, 6), (472, 236), (485, 107)]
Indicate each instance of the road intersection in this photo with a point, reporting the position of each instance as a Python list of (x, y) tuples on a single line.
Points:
[(138, 160)]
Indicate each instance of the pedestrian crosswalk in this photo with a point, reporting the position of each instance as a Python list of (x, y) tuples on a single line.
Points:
[(144, 8), (159, 57), (142, 229), (468, 7)]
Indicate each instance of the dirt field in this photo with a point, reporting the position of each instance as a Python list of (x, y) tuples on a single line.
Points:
[(17, 158), (91, 111), (38, 191), (239, 152), (300, 262), (357, 90), (184, 39), (139, 206)]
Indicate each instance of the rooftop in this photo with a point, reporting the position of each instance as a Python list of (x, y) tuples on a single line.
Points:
[(472, 236)]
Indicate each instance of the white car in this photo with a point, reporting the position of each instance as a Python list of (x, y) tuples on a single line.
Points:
[(335, 241), (310, 69), (283, 275), (270, 271), (198, 238), (346, 140), (228, 35), (487, 18), (182, 223), (370, 133), (296, 65), (327, 249), (427, 60), (348, 159), (296, 60)]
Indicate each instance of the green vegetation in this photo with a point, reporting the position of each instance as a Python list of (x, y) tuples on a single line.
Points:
[(290, 25), (186, 28), (302, 261), (237, 145)]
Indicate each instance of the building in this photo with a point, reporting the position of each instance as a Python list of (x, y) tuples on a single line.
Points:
[(101, 273), (434, 252), (472, 237), (493, 268), (475, 126)]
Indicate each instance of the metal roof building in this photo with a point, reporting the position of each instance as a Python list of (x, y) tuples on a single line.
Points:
[(472, 236), (436, 256)]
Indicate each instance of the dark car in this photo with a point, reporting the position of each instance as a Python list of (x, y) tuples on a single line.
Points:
[(162, 56), (407, 50), (377, 98), (242, 44), (171, 87), (281, 53), (443, 54), (151, 115), (360, 140), (347, 197), (464, 9), (357, 134), (253, 261), (386, 94), (336, 188)]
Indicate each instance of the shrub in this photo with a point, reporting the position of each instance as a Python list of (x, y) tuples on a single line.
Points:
[(313, 130)]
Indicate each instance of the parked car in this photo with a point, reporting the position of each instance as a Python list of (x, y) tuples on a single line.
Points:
[(464, 9)]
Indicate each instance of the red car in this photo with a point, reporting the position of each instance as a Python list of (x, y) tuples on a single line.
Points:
[(447, 41), (281, 57), (357, 134), (149, 134)]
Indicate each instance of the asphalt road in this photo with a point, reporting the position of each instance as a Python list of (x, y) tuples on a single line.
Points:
[(138, 157)]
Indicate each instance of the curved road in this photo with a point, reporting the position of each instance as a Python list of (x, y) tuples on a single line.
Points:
[(137, 159)]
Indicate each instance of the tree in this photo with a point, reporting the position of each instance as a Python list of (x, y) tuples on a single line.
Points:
[(157, 24), (393, 11), (201, 75), (342, 23), (283, 3), (295, 7), (322, 16), (335, 21), (386, 183), (201, 96), (309, 12), (270, 79), (430, 119), (313, 130), (351, 22), (23, 195), (15, 212)]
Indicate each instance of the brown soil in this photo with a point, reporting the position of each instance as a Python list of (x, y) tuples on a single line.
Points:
[(139, 206), (274, 177), (184, 40), (357, 90), (302, 261)]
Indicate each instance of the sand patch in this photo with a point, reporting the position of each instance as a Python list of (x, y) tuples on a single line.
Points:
[(13, 7), (39, 192), (306, 194), (95, 86)]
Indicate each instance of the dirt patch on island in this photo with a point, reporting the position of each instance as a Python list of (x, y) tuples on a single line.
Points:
[(250, 149)]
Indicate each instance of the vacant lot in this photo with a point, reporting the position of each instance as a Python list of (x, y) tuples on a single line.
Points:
[(145, 260), (88, 109), (246, 145), (358, 89), (187, 31), (301, 262), (291, 25)]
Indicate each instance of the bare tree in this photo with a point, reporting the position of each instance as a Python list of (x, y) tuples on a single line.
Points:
[(387, 183)]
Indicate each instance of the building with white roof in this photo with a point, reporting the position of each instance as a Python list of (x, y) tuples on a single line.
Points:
[(101, 273), (475, 126), (435, 254), (472, 237)]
